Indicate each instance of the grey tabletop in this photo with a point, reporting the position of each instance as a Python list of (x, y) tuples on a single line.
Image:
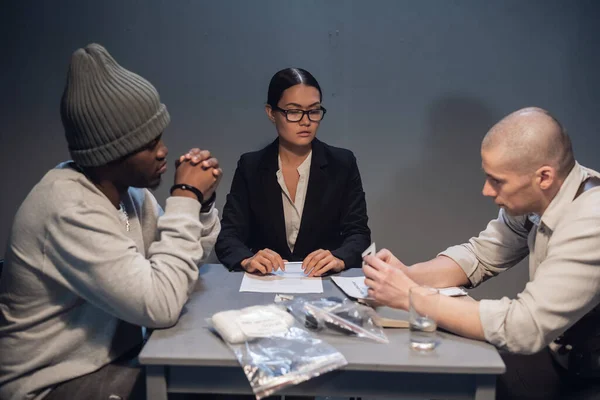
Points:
[(191, 343)]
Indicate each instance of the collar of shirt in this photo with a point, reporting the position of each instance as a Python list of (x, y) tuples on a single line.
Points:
[(303, 169), (564, 196)]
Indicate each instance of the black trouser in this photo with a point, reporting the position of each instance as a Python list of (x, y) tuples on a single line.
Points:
[(538, 377)]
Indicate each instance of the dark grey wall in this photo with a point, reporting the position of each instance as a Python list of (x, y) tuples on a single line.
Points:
[(411, 87)]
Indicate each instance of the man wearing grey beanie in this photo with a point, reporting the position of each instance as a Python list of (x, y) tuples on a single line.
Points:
[(92, 257)]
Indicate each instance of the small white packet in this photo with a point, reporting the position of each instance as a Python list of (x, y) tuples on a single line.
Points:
[(238, 326), (280, 298)]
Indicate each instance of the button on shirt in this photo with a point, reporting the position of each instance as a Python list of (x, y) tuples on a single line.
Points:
[(564, 267), (292, 208)]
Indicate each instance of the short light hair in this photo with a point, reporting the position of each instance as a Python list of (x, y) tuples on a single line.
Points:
[(530, 138)]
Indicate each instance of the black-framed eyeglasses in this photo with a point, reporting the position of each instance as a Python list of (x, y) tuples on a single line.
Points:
[(295, 115)]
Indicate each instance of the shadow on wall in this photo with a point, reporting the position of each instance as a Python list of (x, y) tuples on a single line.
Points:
[(437, 202)]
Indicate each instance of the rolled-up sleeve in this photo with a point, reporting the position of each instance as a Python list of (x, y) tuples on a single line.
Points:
[(499, 247), (566, 286)]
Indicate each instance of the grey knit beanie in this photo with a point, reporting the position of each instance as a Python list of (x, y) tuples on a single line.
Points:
[(108, 111)]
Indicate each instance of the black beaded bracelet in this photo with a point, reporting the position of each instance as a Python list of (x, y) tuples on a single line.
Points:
[(192, 189)]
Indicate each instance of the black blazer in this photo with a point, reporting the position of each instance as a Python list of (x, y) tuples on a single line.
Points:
[(334, 216)]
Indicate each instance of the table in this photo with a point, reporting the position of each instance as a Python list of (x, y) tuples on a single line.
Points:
[(188, 358)]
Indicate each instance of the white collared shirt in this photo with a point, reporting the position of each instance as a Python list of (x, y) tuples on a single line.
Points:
[(292, 209)]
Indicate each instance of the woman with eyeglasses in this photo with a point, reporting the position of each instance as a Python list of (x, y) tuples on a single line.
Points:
[(298, 199)]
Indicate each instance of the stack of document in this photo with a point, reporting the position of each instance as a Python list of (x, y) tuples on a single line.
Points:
[(292, 280), (386, 317), (355, 287)]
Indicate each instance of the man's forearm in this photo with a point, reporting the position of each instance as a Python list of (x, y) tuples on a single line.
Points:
[(459, 315), (439, 272)]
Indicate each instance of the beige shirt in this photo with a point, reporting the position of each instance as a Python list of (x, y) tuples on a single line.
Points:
[(564, 268), (292, 209)]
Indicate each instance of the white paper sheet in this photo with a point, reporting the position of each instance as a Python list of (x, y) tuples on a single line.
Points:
[(356, 288), (353, 287), (292, 270), (292, 280)]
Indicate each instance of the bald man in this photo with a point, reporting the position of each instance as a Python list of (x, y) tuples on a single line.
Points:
[(550, 210)]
